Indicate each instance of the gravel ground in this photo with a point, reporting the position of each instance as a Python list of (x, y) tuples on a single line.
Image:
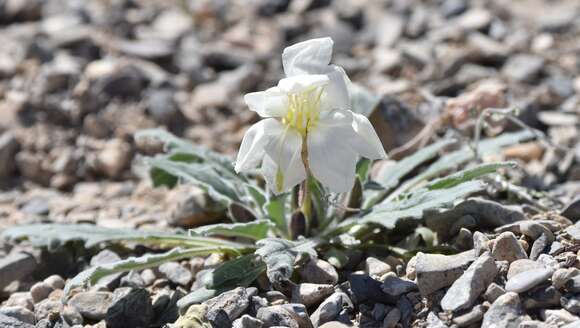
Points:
[(78, 78)]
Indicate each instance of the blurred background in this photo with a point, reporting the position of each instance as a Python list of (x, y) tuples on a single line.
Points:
[(78, 78)]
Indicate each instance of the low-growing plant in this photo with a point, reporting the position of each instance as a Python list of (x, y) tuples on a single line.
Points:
[(315, 196)]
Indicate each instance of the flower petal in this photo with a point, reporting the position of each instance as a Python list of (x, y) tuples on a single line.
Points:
[(282, 166), (270, 103), (331, 158), (299, 83), (308, 57), (369, 145), (256, 138), (337, 92)]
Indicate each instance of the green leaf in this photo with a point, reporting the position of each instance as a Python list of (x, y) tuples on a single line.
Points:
[(468, 174), (275, 209), (202, 175), (280, 256), (234, 273), (94, 274), (413, 204), (55, 235), (453, 160), (258, 196), (363, 168), (362, 100), (254, 230), (390, 176)]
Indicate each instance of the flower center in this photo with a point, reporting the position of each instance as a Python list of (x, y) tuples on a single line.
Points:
[(303, 110)]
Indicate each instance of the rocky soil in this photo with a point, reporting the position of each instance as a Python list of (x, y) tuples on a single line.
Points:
[(78, 78)]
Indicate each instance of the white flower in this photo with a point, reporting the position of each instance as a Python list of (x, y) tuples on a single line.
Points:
[(307, 120)]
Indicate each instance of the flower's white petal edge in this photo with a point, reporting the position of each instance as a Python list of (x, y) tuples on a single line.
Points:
[(270, 103), (299, 83), (337, 95), (308, 57), (331, 157), (285, 153), (256, 138), (369, 145)]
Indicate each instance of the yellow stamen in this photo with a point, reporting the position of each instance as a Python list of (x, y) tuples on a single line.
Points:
[(303, 110)]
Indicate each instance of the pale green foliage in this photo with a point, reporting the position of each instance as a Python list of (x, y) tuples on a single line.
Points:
[(260, 246)]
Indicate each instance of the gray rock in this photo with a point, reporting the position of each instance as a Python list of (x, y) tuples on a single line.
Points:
[(55, 281), (40, 291), (151, 49), (523, 67), (522, 265), (287, 315), (10, 322), (543, 297), (470, 318), (533, 324), (247, 321), (366, 289), (487, 214), (16, 266), (129, 308), (92, 305), (475, 19), (233, 303), (176, 273), (376, 268), (18, 312), (571, 303), (433, 321), (435, 271), (132, 279), (572, 210), (395, 286), (480, 243), (557, 318), (20, 299), (162, 106), (389, 30), (493, 291), (561, 277), (526, 280), (451, 8), (311, 294), (46, 307), (505, 312), (392, 318), (331, 308), (470, 285), (105, 257), (318, 271), (507, 248)]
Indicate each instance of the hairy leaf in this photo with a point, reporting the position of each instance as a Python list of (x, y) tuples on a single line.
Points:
[(392, 175), (280, 256), (414, 203), (255, 230), (93, 274), (54, 235), (275, 209), (174, 144), (468, 174), (200, 174), (234, 273), (453, 160)]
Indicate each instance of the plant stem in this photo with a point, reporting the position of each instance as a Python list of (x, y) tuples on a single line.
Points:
[(306, 205)]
